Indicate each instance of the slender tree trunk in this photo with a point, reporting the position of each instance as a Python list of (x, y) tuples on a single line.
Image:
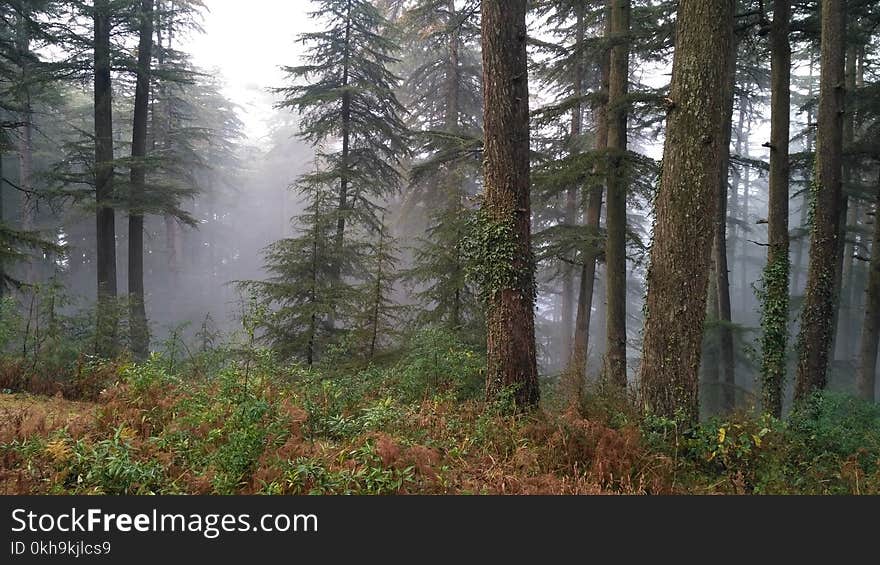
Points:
[(26, 144), (866, 375), (719, 250), (454, 179), (105, 219), (342, 206), (140, 337), (817, 317), (774, 316), (685, 209), (710, 359), (568, 309), (2, 265), (592, 214), (847, 213), (615, 242), (805, 206), (510, 345)]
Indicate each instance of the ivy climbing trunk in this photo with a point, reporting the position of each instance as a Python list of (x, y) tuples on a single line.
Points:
[(774, 313), (615, 221), (107, 319), (510, 344), (140, 336), (816, 327), (685, 209)]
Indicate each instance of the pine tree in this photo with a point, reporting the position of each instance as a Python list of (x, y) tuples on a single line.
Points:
[(774, 316), (685, 209), (442, 94), (346, 91), (302, 292), (505, 220), (815, 337)]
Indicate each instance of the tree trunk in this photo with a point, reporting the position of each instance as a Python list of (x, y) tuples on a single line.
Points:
[(140, 337), (866, 375), (774, 316), (105, 218), (510, 346), (685, 209), (615, 221), (342, 205), (454, 179), (847, 213), (816, 319), (26, 144), (805, 206), (727, 376), (592, 214)]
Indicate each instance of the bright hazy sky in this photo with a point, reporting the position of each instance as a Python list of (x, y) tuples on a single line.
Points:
[(247, 41)]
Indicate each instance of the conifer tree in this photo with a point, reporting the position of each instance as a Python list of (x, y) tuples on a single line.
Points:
[(345, 91), (442, 93)]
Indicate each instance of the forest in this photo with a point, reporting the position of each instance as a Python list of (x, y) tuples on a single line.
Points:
[(474, 247)]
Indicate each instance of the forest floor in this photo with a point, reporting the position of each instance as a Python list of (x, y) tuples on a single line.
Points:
[(415, 425)]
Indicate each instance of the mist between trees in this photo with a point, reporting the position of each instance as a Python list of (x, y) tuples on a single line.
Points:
[(674, 200)]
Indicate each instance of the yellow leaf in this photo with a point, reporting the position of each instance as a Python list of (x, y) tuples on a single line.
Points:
[(722, 433), (757, 440)]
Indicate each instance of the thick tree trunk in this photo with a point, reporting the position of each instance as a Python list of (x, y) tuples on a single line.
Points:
[(816, 320), (685, 209), (866, 375), (774, 316), (510, 347), (140, 337), (615, 242), (105, 219), (726, 357)]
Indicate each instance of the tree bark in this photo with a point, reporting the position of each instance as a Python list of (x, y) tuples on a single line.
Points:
[(140, 336), (866, 375), (774, 317), (510, 347), (685, 209), (727, 376), (615, 241), (107, 320), (817, 317)]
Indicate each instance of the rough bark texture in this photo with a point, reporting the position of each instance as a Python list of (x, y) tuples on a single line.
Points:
[(615, 242), (105, 220), (685, 209), (510, 347), (866, 375), (817, 317), (727, 362), (774, 317), (140, 337)]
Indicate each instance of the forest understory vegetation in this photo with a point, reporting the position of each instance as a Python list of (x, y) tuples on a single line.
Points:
[(440, 246), (233, 419)]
